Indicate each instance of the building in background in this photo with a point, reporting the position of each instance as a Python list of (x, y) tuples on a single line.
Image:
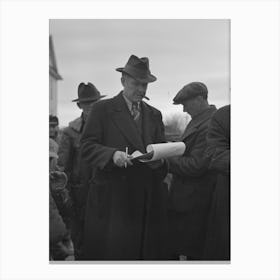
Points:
[(54, 76)]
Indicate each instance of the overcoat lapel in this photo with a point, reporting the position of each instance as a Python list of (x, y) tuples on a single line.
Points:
[(122, 118), (147, 125)]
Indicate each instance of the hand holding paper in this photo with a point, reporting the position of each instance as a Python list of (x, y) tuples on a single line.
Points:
[(122, 159), (160, 151)]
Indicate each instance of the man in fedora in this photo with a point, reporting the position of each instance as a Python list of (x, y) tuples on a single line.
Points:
[(76, 169), (192, 185), (125, 212)]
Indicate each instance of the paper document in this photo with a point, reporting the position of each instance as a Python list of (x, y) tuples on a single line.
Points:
[(159, 151)]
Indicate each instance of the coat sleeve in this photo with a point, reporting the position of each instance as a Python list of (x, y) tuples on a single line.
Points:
[(193, 163), (218, 146), (92, 148)]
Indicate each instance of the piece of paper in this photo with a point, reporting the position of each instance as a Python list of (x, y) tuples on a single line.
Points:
[(139, 156), (159, 151)]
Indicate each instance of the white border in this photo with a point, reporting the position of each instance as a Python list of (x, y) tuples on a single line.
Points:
[(255, 138)]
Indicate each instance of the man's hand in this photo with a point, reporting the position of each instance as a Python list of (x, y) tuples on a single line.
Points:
[(121, 159), (58, 180)]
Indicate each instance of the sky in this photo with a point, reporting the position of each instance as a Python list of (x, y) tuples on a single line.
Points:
[(180, 52)]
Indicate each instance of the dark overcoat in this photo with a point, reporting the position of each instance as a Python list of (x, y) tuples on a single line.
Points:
[(69, 150), (126, 207), (79, 174), (69, 157), (191, 190), (218, 139)]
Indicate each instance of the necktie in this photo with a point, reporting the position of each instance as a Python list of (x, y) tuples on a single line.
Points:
[(135, 111)]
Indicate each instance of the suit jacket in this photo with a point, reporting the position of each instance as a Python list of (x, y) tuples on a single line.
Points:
[(125, 212)]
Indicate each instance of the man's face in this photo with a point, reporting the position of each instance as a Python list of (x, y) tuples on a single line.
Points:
[(85, 107), (192, 106), (133, 89), (53, 130)]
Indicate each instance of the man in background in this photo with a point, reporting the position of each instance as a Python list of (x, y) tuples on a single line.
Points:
[(218, 140), (53, 127), (59, 207), (70, 159), (192, 185)]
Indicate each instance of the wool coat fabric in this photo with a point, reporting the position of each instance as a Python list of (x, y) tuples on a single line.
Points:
[(79, 174), (69, 157), (190, 191), (218, 139), (126, 207)]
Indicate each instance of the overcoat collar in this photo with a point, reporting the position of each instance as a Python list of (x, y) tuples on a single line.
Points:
[(77, 124), (198, 120), (123, 119)]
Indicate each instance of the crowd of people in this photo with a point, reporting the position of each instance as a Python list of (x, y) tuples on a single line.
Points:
[(106, 206)]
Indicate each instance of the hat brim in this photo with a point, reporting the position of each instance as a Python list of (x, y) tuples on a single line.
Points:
[(180, 101), (88, 99), (149, 79)]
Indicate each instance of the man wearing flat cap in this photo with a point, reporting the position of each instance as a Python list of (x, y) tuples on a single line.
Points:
[(126, 211), (70, 159), (192, 185)]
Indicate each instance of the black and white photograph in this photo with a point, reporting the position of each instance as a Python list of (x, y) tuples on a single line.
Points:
[(161, 123), (139, 133)]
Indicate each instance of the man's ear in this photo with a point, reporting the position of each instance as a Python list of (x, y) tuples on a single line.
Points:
[(200, 98), (123, 80)]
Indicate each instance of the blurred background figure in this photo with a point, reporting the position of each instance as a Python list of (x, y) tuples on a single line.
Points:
[(53, 127), (192, 184), (59, 206), (218, 140), (77, 170)]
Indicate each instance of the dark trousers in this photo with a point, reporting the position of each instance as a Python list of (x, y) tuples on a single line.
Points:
[(77, 236), (186, 235)]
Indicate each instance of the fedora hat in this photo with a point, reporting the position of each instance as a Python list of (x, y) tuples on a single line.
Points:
[(189, 91), (138, 68), (88, 93)]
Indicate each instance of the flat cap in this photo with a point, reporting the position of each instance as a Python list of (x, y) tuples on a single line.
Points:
[(191, 90)]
